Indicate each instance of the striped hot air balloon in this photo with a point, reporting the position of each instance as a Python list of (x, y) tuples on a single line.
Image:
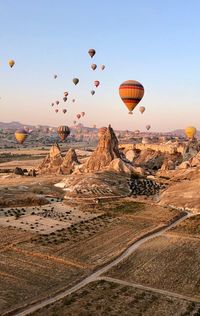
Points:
[(63, 132), (131, 93)]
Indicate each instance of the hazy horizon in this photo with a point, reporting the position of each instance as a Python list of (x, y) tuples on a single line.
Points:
[(152, 42)]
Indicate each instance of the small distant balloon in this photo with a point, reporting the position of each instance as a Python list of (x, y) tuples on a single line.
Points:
[(66, 93), (11, 63), (21, 135), (73, 100), (64, 111), (74, 122), (63, 132), (75, 81), (56, 110), (57, 102), (91, 52), (96, 83), (93, 66), (92, 92), (65, 99), (52, 104), (103, 67), (55, 76), (82, 113), (190, 132), (148, 127), (142, 109), (78, 116)]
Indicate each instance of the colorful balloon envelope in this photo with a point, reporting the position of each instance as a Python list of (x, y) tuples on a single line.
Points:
[(148, 127), (66, 93), (78, 116), (92, 92), (56, 110), (101, 131), (63, 132), (142, 109), (65, 99), (131, 93), (64, 111), (91, 52), (93, 66), (190, 132), (11, 63), (75, 81), (21, 135), (96, 83)]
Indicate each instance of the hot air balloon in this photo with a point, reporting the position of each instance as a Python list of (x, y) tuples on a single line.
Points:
[(65, 99), (82, 113), (74, 122), (148, 127), (78, 116), (73, 100), (52, 104), (64, 111), (92, 92), (142, 109), (56, 110), (131, 93), (57, 102), (75, 81), (21, 135), (63, 132), (91, 52), (101, 131), (102, 67), (11, 63), (190, 132), (66, 93), (55, 76), (93, 66), (96, 83)]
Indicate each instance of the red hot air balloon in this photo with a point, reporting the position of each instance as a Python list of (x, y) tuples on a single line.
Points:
[(56, 110), (78, 116), (91, 52), (96, 83)]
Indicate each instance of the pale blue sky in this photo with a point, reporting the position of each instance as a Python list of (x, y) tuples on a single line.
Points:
[(155, 42)]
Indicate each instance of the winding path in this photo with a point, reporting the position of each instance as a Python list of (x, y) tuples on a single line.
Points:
[(97, 275)]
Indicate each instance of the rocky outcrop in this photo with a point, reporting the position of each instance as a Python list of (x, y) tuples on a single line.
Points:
[(106, 151), (56, 163), (18, 171), (120, 166), (191, 150)]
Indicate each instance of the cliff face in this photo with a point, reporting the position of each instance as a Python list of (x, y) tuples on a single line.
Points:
[(55, 163)]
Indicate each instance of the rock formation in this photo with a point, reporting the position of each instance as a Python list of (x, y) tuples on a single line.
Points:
[(55, 163), (106, 151)]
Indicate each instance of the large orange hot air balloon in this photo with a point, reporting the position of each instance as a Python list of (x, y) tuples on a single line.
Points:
[(21, 135), (131, 93), (63, 132), (190, 132)]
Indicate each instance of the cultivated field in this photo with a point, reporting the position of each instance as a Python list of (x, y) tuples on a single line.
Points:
[(108, 298)]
